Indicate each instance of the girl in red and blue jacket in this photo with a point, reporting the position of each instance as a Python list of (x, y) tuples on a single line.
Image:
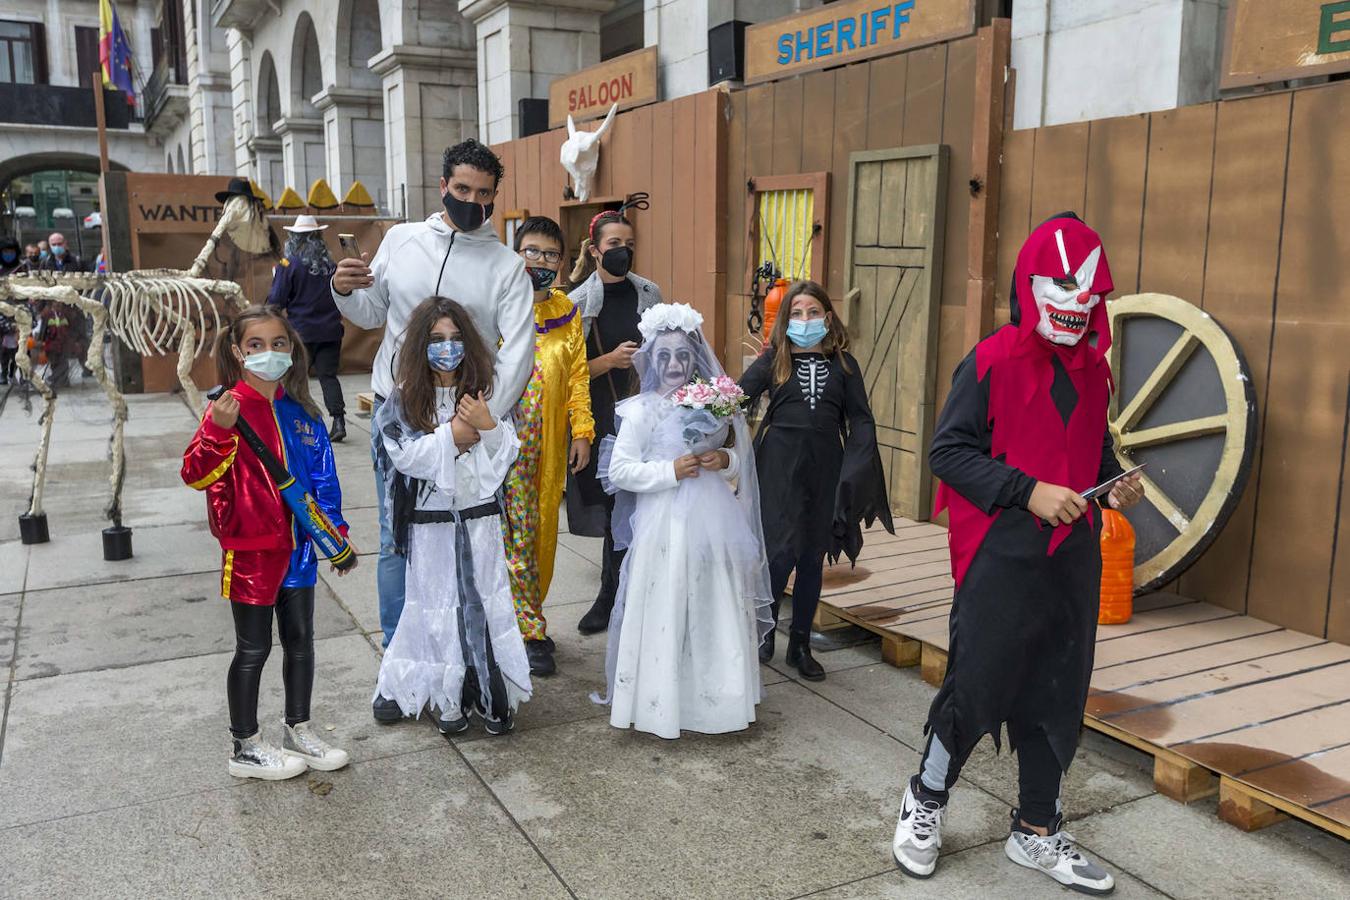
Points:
[(268, 560)]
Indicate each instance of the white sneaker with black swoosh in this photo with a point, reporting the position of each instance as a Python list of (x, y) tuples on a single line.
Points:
[(1058, 856), (918, 834)]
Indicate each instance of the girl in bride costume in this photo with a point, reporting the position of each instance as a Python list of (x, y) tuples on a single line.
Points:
[(693, 600)]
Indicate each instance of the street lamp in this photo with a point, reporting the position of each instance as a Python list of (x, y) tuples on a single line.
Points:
[(65, 212)]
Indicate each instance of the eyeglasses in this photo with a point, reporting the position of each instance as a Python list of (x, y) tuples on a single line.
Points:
[(534, 254)]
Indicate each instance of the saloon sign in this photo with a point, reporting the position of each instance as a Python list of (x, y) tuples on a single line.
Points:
[(628, 80), (846, 32), (1280, 40)]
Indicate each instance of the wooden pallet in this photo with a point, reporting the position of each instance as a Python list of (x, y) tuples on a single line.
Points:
[(1224, 703)]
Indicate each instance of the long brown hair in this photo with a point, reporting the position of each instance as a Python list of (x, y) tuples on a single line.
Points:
[(416, 379), (836, 338), (231, 371)]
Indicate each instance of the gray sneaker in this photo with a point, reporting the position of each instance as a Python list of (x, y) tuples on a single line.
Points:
[(255, 758), (1059, 857), (918, 834)]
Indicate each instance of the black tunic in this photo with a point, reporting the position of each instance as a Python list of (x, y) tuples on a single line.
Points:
[(617, 322), (816, 451), (1023, 622)]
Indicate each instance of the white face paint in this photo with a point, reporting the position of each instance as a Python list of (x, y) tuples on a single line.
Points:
[(1065, 303)]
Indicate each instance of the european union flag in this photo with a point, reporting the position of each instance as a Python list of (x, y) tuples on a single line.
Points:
[(114, 53)]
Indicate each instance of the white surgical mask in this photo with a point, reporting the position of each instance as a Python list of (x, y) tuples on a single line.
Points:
[(269, 365)]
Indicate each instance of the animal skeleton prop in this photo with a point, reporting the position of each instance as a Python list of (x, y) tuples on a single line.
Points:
[(151, 310), (581, 154)]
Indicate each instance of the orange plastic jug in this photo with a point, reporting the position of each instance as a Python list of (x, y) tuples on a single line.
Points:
[(1117, 569), (772, 301)]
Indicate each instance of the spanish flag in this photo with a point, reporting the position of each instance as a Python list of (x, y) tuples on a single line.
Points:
[(114, 53)]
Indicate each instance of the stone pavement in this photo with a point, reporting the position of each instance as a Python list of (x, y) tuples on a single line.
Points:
[(113, 745)]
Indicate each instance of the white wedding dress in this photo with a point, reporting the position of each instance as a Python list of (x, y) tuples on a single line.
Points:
[(684, 635)]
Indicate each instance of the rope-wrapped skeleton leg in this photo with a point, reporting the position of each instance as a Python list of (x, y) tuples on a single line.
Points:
[(24, 319)]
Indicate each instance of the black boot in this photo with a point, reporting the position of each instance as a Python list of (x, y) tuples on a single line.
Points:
[(596, 619), (338, 433), (766, 647), (800, 658), (386, 711), (540, 655)]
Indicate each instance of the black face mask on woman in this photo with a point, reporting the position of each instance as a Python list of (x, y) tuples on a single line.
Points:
[(617, 261), (466, 214)]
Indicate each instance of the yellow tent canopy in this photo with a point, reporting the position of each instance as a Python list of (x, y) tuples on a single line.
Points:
[(289, 199), (321, 196), (260, 194), (357, 195)]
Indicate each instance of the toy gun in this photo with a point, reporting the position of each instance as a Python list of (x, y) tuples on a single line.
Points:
[(327, 539)]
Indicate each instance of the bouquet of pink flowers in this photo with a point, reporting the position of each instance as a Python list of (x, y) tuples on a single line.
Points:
[(722, 397), (709, 406)]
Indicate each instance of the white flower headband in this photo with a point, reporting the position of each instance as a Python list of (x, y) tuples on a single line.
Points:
[(669, 317)]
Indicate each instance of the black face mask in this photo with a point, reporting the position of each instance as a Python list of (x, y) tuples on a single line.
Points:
[(34, 260), (465, 214), (617, 261), (540, 277)]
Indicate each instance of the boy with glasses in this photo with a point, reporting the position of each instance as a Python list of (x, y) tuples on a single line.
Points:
[(557, 398)]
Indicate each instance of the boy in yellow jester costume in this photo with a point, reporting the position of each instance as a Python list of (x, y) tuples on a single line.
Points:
[(556, 400)]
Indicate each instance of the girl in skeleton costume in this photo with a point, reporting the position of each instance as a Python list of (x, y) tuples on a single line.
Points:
[(457, 646), (819, 468), (693, 591), (1022, 434)]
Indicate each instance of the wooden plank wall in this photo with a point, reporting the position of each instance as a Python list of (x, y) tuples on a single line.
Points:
[(1229, 205), (812, 123), (675, 151)]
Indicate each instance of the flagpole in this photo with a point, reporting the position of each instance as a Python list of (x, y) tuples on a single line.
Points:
[(102, 122)]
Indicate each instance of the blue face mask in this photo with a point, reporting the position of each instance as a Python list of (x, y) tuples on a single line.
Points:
[(807, 332), (8, 257), (59, 250), (445, 356)]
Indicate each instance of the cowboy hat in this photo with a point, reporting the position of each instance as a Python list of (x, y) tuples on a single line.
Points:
[(304, 224), (238, 187)]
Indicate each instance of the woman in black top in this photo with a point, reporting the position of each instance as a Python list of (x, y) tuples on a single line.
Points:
[(819, 468), (611, 301)]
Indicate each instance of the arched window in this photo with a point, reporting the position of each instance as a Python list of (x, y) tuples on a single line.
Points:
[(307, 74), (269, 97)]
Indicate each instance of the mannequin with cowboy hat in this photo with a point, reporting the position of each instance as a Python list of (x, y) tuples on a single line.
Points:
[(300, 287)]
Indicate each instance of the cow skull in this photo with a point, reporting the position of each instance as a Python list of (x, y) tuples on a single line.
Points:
[(581, 154)]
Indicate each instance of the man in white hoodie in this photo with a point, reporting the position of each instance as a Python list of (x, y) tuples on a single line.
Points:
[(455, 254)]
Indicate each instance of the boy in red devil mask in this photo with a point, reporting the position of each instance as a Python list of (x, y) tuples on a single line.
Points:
[(1022, 435)]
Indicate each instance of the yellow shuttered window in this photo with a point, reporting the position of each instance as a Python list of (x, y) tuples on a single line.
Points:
[(786, 222)]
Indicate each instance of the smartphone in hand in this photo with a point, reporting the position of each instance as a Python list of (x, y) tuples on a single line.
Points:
[(349, 245)]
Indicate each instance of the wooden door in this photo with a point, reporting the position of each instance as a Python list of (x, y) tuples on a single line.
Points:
[(893, 260)]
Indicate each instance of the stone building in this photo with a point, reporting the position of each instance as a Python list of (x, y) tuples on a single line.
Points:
[(368, 90)]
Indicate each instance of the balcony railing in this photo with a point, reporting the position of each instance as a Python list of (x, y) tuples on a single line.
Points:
[(156, 90), (47, 104)]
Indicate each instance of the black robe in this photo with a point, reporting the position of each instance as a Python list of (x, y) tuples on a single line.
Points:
[(1023, 622), (816, 451)]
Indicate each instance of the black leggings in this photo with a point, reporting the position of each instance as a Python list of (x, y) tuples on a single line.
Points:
[(1038, 773), (810, 568), (326, 357), (253, 641), (8, 362)]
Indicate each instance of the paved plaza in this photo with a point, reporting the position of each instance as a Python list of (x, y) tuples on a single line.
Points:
[(113, 744)]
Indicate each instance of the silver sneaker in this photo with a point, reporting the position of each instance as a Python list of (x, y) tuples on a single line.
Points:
[(300, 742), (1059, 857), (255, 758), (918, 835)]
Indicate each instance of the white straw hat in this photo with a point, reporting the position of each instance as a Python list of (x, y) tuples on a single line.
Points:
[(304, 224)]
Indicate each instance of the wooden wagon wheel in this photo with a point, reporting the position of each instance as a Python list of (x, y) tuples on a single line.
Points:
[(1184, 404)]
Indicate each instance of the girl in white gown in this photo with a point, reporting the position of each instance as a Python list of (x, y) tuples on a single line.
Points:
[(457, 646), (693, 600)]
